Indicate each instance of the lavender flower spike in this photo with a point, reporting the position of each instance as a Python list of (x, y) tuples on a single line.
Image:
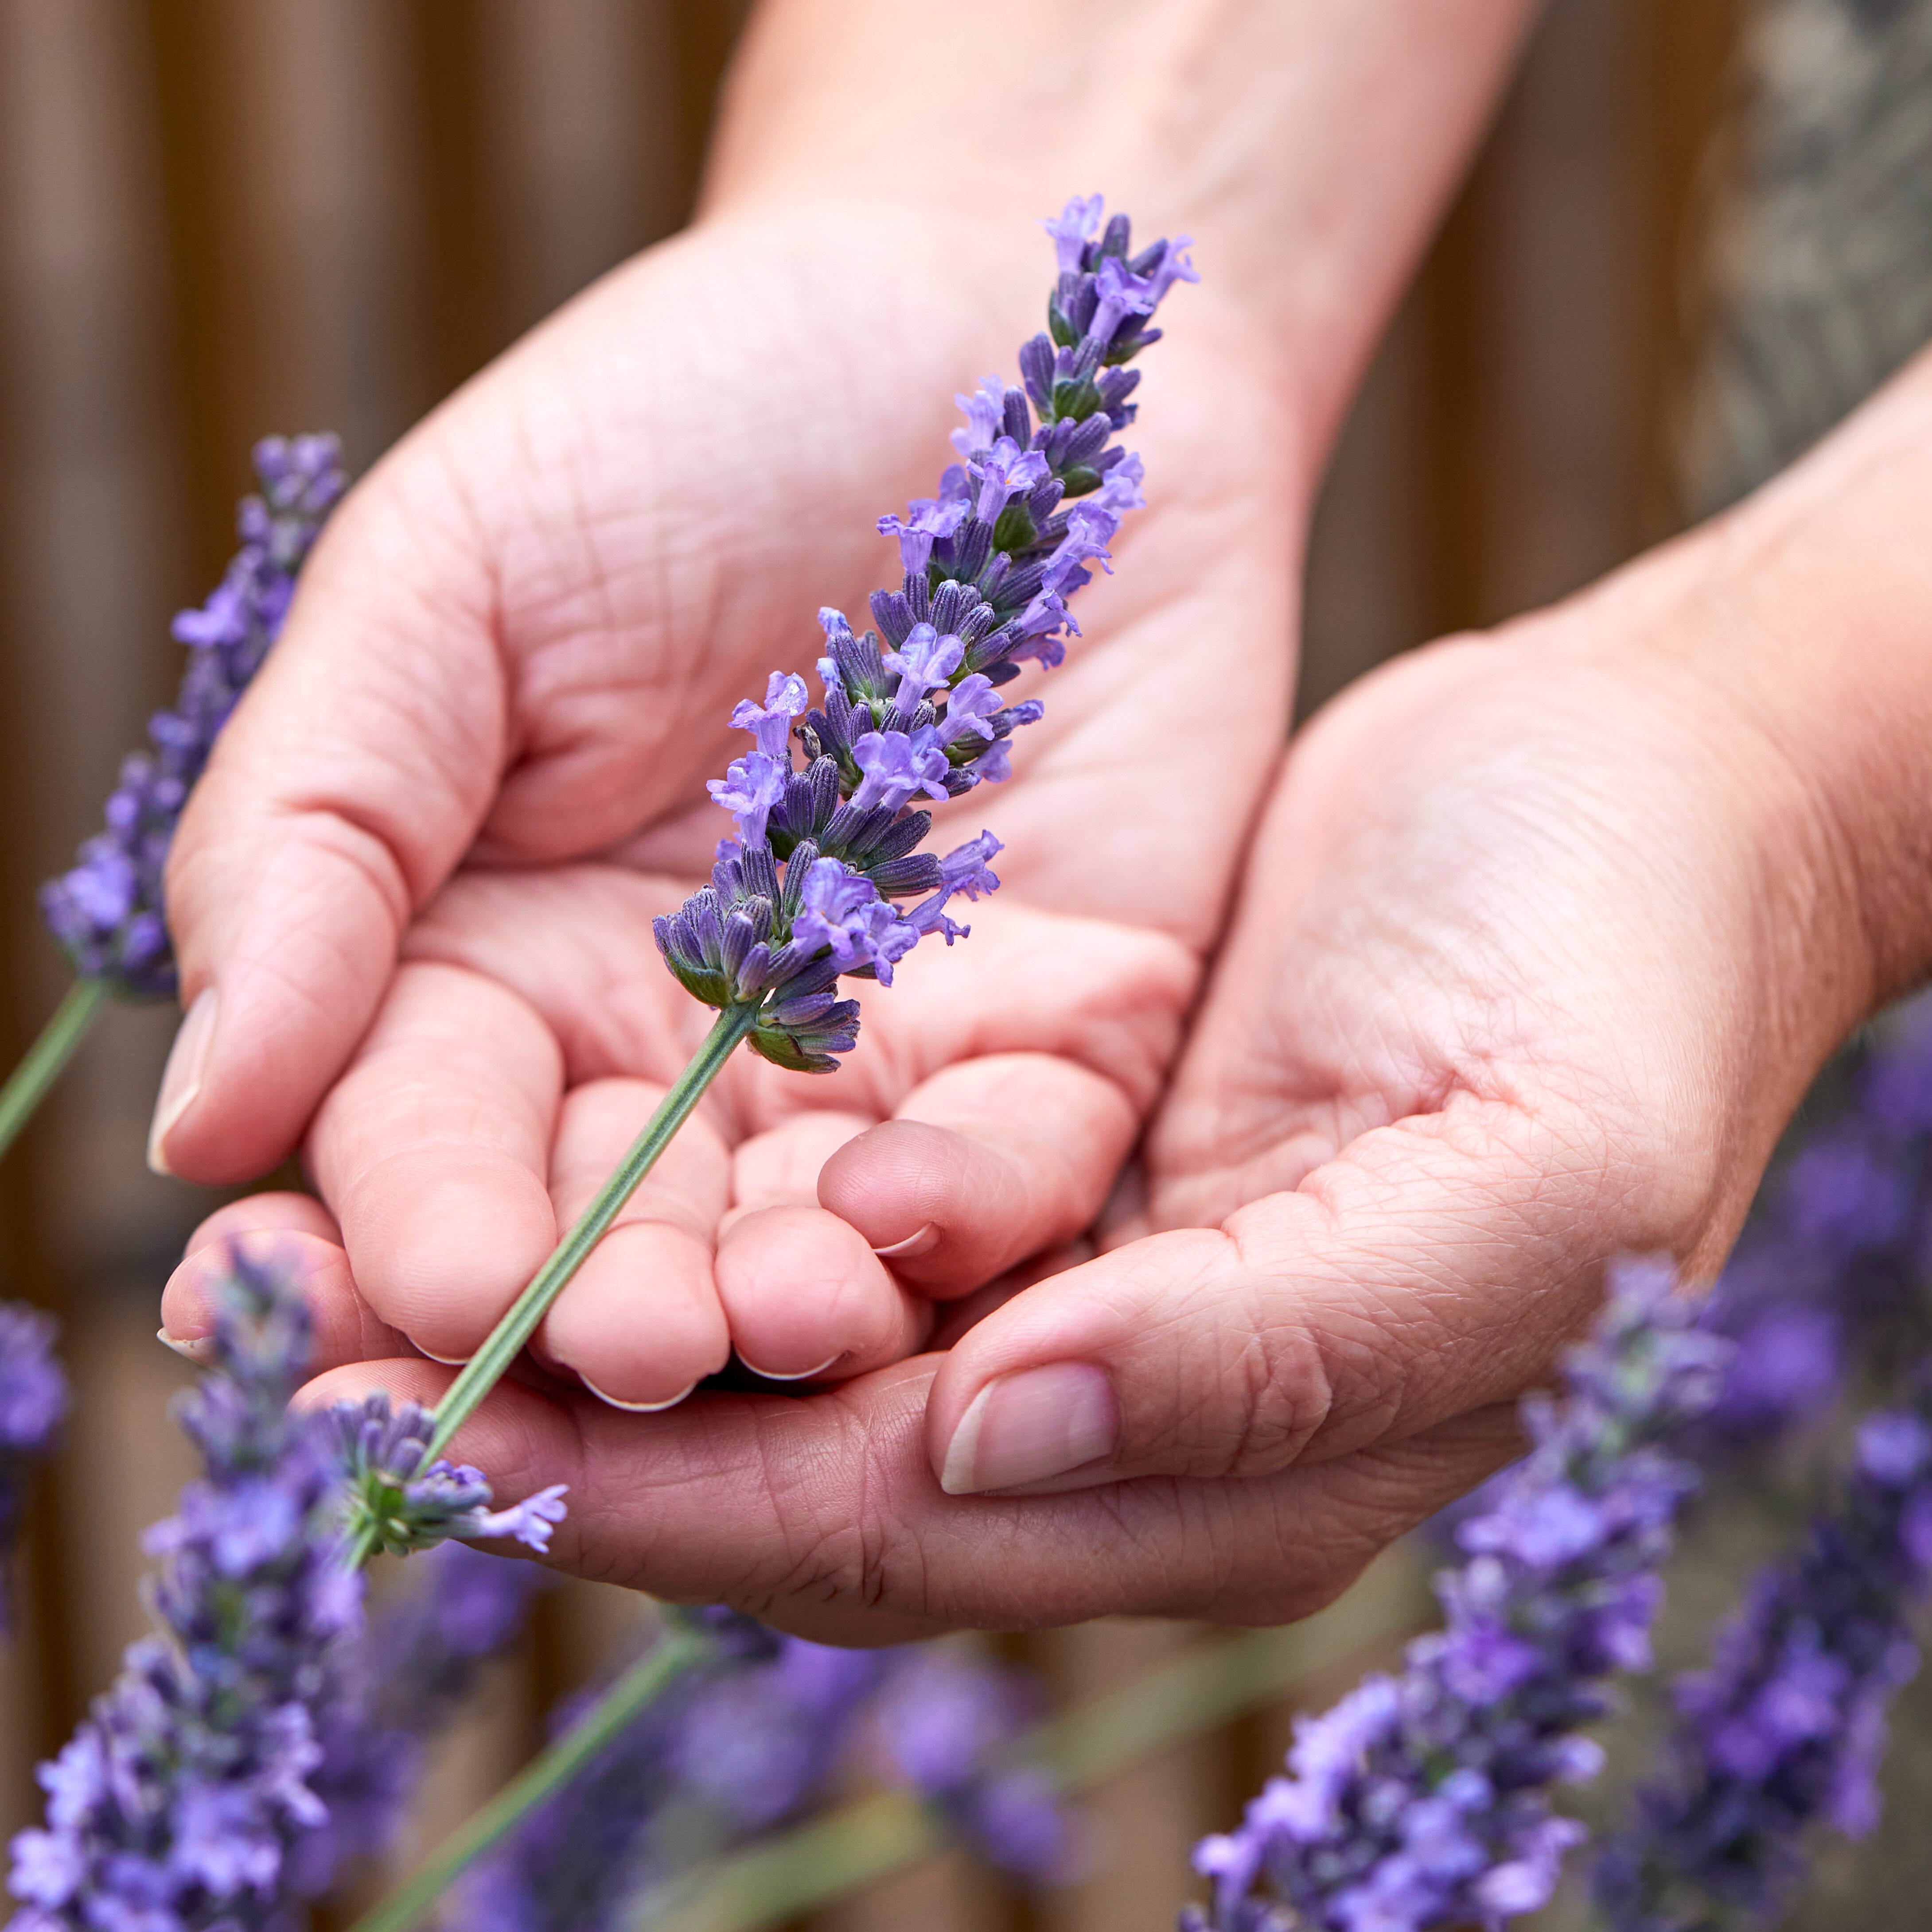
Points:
[(33, 1402), (400, 1505), (1785, 1729), (107, 912), (806, 890), (177, 1803), (1421, 1800)]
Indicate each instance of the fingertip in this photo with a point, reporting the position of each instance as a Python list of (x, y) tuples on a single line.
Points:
[(891, 1183), (289, 953), (441, 1241), (804, 1294), (641, 1324)]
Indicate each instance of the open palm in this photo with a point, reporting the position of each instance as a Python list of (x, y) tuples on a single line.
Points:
[(429, 848), (1535, 951)]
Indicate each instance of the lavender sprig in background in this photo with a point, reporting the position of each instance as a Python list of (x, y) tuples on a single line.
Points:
[(912, 710), (1786, 1728), (1832, 1259), (107, 912), (396, 1685), (178, 1801), (746, 1744), (33, 1403), (1422, 1799)]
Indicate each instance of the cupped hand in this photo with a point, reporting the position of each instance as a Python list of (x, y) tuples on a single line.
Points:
[(412, 896), (1540, 940)]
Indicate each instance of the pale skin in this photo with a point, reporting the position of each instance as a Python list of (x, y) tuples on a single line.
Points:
[(1538, 940)]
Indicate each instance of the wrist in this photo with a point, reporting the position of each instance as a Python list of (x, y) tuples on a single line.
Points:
[(1794, 631), (1307, 149)]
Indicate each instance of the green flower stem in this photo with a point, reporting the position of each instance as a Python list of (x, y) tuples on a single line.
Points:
[(792, 1874), (485, 1369), (28, 1083), (682, 1648)]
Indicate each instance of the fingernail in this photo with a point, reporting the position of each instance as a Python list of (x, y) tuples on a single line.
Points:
[(633, 1407), (180, 1084), (789, 1375), (1023, 1428), (922, 1241), (447, 1361), (199, 1351)]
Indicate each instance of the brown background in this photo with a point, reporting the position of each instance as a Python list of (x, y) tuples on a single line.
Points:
[(222, 217)]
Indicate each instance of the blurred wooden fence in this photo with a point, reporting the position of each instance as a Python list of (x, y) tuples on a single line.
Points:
[(220, 218)]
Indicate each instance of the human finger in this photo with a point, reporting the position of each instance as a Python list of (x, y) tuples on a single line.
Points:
[(1433, 1268), (808, 1299), (433, 1152), (987, 1162), (780, 1167), (342, 792), (291, 1233), (640, 1323), (823, 1516)]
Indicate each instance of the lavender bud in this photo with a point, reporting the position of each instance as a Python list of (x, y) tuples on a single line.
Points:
[(108, 911)]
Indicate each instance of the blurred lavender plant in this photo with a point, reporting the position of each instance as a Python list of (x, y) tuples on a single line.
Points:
[(33, 1403), (945, 1720), (1421, 1799), (1786, 1728), (1833, 1257), (399, 1683), (738, 1747), (107, 912), (178, 1801), (730, 1749), (912, 711), (265, 1732)]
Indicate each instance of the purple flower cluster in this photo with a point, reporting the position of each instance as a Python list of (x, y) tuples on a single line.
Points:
[(394, 1687), (945, 1720), (1787, 1726), (107, 912), (33, 1402), (912, 711), (404, 1506), (731, 1749), (178, 1800), (740, 1746), (1834, 1254), (1422, 1799)]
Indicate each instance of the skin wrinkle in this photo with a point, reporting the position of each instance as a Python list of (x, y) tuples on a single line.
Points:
[(1118, 1562)]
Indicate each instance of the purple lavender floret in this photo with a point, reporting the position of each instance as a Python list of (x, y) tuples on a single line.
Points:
[(395, 1687), (33, 1402), (747, 1742), (1423, 1799), (178, 1801), (732, 1748), (108, 912), (946, 1721), (1785, 1730), (408, 1506), (807, 890), (1833, 1257)]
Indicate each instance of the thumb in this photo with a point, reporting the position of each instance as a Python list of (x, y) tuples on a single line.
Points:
[(1419, 1276), (348, 783)]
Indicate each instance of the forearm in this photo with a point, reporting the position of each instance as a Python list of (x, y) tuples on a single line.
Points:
[(1798, 626), (1308, 147)]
